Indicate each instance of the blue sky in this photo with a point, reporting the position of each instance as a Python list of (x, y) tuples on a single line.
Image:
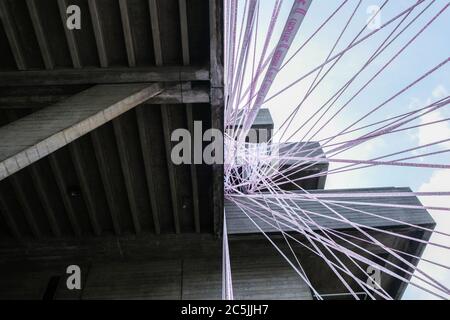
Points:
[(431, 48)]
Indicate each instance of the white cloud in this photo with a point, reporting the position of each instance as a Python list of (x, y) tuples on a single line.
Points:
[(435, 132), (439, 181), (440, 92), (356, 178)]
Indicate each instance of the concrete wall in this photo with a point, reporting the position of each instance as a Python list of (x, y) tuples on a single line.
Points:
[(264, 277)]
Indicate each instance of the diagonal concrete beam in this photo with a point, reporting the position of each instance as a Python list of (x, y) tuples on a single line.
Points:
[(31, 138)]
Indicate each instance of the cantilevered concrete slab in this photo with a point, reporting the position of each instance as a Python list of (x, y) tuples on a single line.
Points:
[(239, 224), (29, 139), (292, 171)]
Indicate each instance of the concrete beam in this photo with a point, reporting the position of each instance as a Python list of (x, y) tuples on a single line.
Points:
[(189, 114), (12, 35), (175, 94), (217, 101), (103, 76), (31, 138), (70, 35), (153, 7), (98, 33), (40, 34), (376, 216), (127, 33)]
